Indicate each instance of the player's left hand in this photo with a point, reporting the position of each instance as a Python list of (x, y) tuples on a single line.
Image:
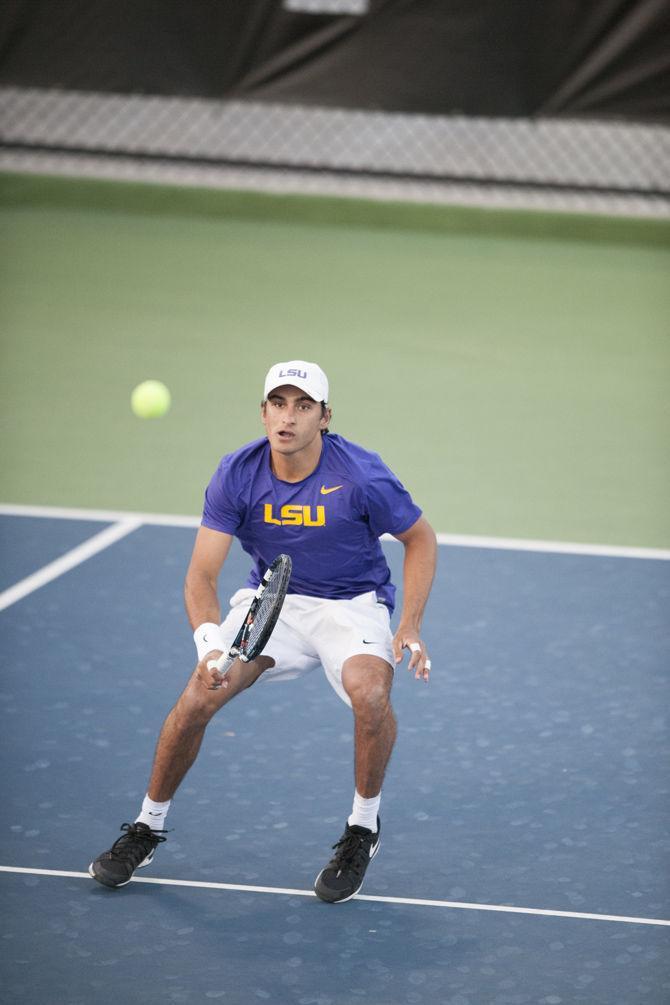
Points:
[(419, 662)]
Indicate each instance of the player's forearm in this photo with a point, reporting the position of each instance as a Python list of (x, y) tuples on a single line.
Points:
[(201, 600), (418, 574)]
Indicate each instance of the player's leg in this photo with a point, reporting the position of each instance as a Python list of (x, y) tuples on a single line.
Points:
[(177, 748), (367, 683), (288, 655), (183, 730)]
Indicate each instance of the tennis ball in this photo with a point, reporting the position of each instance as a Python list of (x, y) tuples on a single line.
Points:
[(150, 399)]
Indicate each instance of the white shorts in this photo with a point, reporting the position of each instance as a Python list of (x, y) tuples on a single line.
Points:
[(312, 632)]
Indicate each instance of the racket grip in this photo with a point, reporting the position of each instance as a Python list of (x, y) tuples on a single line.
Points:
[(220, 663)]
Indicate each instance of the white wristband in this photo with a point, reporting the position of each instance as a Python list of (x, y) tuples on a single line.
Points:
[(207, 637)]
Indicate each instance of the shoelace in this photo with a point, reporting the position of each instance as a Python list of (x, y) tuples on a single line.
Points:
[(126, 847), (347, 849)]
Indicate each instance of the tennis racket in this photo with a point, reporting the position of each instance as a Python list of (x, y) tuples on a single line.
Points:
[(261, 617)]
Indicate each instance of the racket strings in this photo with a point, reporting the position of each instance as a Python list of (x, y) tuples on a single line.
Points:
[(269, 607)]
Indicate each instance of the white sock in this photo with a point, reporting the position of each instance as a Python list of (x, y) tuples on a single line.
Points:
[(364, 812), (153, 814)]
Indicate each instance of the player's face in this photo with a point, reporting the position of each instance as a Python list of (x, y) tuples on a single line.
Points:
[(293, 421)]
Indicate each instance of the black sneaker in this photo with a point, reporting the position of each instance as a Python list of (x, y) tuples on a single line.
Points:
[(343, 877), (133, 850)]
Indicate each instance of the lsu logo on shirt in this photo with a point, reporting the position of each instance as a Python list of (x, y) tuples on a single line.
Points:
[(295, 515)]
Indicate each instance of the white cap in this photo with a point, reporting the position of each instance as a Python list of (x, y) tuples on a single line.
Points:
[(309, 377)]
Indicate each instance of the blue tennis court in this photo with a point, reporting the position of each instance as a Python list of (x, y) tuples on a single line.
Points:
[(525, 814)]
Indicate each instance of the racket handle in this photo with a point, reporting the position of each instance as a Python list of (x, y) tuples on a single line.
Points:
[(222, 663)]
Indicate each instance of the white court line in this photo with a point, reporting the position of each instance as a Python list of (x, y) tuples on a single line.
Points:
[(68, 561), (407, 901), (554, 547), (103, 515), (455, 540)]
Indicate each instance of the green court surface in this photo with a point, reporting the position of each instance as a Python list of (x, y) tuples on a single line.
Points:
[(511, 367)]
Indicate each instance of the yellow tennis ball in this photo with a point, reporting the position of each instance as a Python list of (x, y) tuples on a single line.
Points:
[(150, 399)]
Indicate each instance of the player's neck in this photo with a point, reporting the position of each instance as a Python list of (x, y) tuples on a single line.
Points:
[(296, 467)]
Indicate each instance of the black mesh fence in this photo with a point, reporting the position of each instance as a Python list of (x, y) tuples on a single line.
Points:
[(561, 154), (364, 95)]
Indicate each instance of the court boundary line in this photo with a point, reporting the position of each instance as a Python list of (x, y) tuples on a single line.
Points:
[(70, 560), (453, 540), (407, 901)]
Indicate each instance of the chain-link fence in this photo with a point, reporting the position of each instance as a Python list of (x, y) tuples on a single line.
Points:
[(550, 161)]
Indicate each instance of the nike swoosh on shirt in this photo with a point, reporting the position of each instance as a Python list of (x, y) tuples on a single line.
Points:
[(325, 491)]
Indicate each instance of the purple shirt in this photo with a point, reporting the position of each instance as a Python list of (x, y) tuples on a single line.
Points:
[(329, 523)]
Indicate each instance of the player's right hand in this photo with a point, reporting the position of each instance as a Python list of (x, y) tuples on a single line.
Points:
[(211, 679)]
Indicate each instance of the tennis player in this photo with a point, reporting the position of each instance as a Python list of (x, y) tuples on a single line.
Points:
[(324, 501)]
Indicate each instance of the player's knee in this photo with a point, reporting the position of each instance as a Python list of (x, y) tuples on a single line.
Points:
[(369, 696), (197, 705), (193, 711)]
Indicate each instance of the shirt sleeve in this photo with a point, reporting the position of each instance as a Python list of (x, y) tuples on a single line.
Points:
[(391, 509), (223, 509)]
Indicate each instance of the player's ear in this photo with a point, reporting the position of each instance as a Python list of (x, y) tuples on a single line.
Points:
[(326, 416)]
